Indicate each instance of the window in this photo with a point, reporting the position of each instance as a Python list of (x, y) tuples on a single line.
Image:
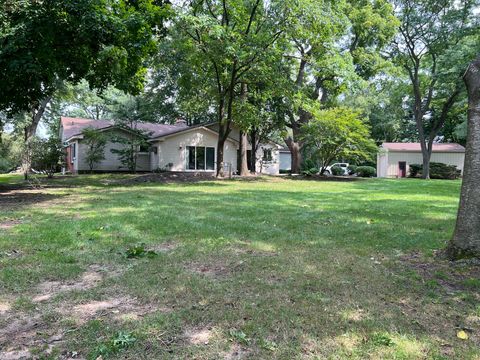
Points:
[(74, 151), (200, 158), (144, 148), (267, 154)]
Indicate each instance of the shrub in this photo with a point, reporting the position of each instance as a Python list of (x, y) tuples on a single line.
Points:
[(352, 169), (415, 170), (437, 171), (444, 171), (366, 171), (337, 171), (310, 172)]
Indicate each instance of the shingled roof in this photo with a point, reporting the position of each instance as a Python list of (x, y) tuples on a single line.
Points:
[(74, 126), (415, 147)]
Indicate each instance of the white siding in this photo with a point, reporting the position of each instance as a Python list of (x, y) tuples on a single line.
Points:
[(285, 161), (111, 161), (268, 167), (388, 166), (172, 149)]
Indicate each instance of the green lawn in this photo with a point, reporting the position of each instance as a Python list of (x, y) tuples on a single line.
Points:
[(270, 268)]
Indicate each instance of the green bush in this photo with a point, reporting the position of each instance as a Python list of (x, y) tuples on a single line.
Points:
[(337, 171), (437, 171), (310, 172), (415, 170), (352, 169), (366, 171)]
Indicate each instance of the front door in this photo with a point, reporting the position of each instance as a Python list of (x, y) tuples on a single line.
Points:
[(402, 169)]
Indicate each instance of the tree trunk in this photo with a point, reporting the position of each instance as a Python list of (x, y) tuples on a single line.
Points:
[(243, 154), (243, 138), (466, 238), (295, 151), (253, 152), (220, 153), (295, 148), (426, 155), (29, 132)]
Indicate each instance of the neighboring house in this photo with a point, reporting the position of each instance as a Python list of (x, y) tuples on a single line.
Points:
[(285, 159), (394, 159), (177, 147)]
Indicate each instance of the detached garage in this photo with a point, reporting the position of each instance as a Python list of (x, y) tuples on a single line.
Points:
[(394, 159)]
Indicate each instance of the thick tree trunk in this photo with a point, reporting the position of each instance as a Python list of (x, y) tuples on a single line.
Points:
[(295, 148), (426, 155), (243, 154), (29, 132), (220, 157), (295, 151), (466, 238), (253, 152), (243, 170)]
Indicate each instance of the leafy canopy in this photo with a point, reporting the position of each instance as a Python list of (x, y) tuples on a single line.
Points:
[(337, 133), (43, 43)]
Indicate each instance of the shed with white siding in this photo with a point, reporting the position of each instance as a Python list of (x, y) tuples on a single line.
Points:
[(394, 159)]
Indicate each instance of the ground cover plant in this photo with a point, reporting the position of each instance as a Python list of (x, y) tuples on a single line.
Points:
[(267, 268)]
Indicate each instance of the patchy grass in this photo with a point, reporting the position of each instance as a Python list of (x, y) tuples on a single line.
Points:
[(266, 268)]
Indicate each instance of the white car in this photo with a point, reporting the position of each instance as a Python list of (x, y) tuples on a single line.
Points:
[(344, 166)]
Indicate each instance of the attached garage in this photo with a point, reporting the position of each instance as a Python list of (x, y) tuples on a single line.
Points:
[(394, 159)]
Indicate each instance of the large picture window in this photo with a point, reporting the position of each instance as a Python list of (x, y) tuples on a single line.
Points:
[(200, 158)]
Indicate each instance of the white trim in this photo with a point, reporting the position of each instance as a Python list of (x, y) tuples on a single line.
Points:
[(161, 138), (205, 147)]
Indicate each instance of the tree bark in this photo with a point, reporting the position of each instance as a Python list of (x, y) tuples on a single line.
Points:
[(253, 152), (29, 132), (243, 137), (220, 153), (295, 148), (466, 238), (243, 154)]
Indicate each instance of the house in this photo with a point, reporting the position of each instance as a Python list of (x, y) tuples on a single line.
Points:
[(285, 159), (176, 147), (394, 159)]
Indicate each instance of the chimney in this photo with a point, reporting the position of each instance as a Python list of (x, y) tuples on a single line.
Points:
[(180, 122)]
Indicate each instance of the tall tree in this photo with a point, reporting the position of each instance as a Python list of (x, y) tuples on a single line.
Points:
[(333, 43), (428, 47), (222, 42), (466, 238), (46, 43)]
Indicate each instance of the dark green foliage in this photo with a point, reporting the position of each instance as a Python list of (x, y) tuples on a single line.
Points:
[(95, 142), (415, 170), (131, 144), (437, 171), (381, 339), (43, 43), (121, 341), (337, 171), (310, 172), (139, 251), (46, 155), (366, 171), (352, 169)]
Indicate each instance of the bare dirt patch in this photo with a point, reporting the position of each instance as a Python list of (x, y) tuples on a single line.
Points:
[(215, 269), (237, 352), (121, 308), (164, 247), (198, 336), (4, 307), (450, 275), (166, 177), (23, 333), (49, 289), (8, 224), (14, 199)]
